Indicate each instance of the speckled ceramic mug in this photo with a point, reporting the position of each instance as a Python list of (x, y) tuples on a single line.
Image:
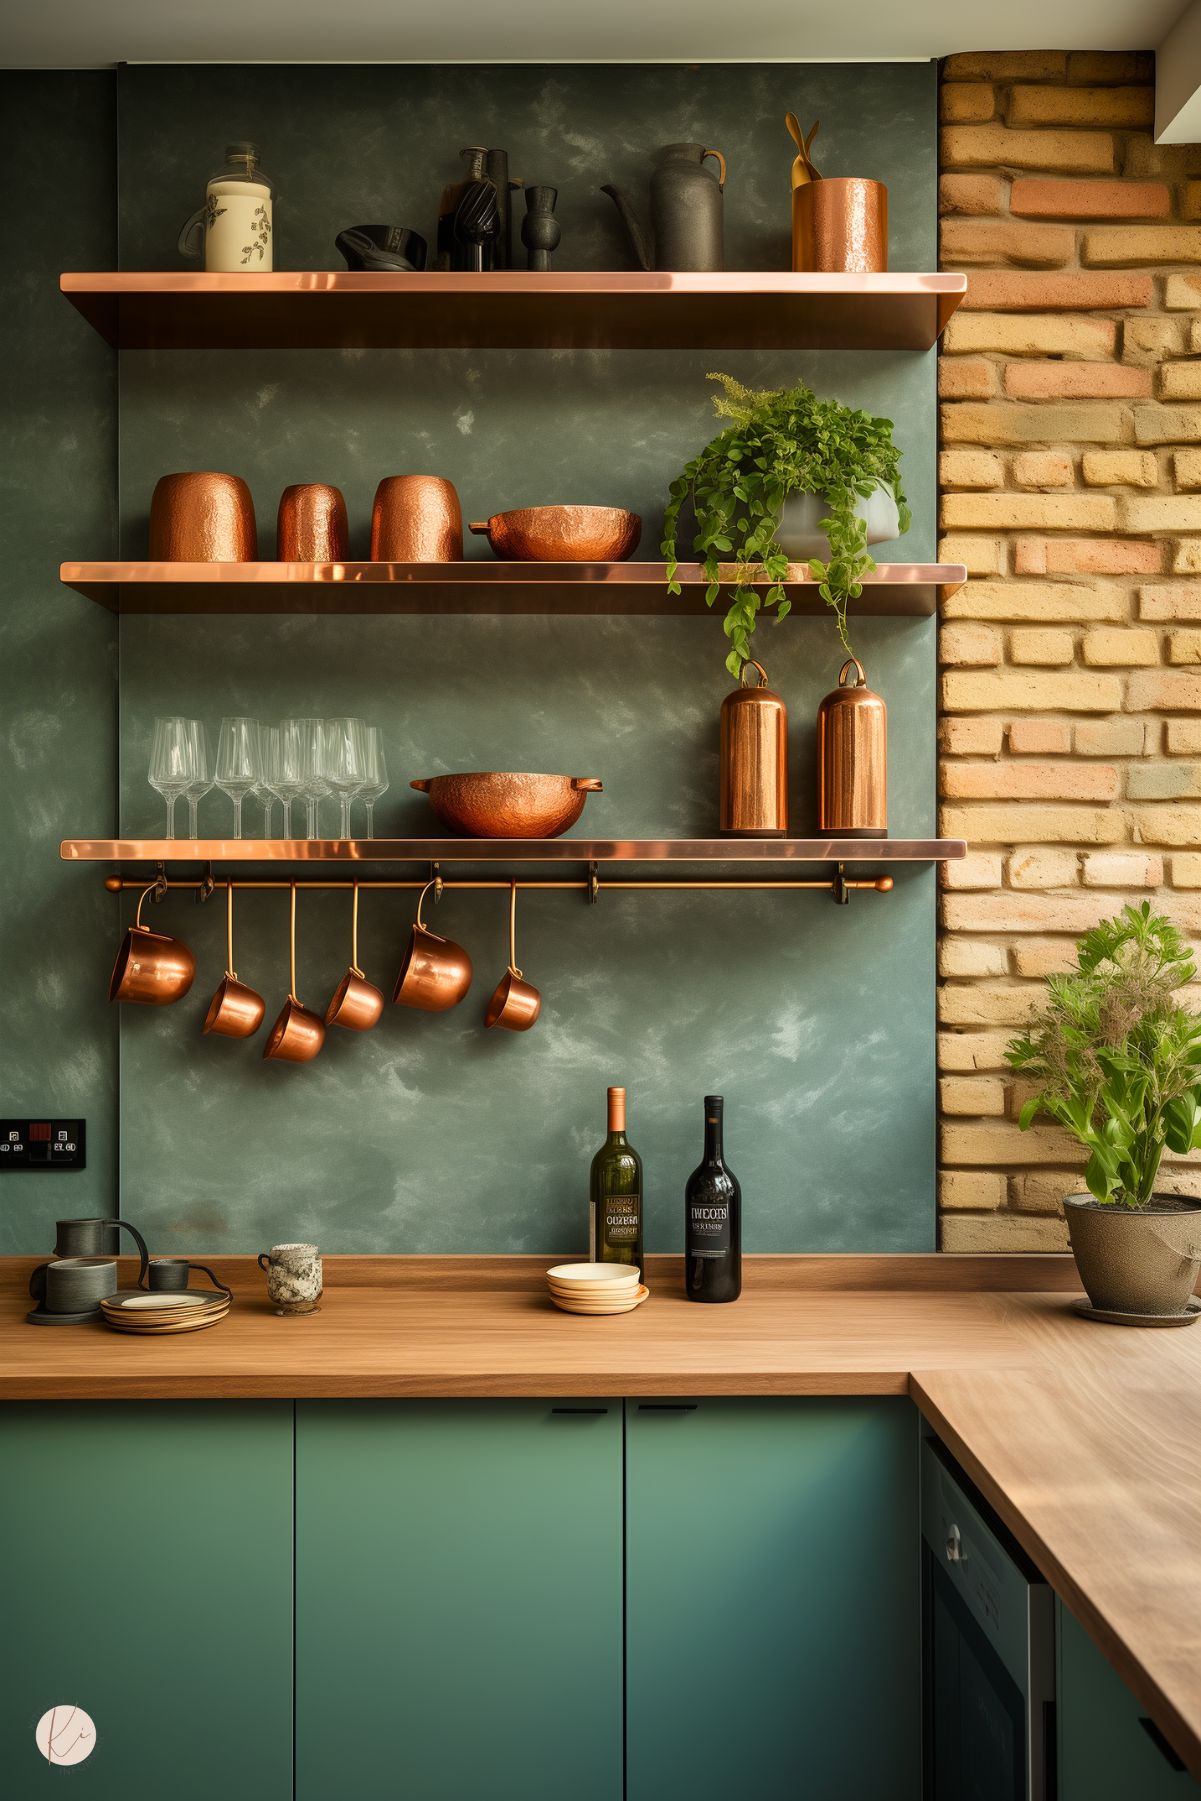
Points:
[(293, 1277)]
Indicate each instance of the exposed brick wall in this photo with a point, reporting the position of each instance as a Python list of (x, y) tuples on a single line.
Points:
[(1070, 473)]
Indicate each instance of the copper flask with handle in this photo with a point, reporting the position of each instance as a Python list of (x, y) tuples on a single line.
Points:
[(852, 759), (754, 760)]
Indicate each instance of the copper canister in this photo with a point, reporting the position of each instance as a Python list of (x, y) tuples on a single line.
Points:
[(852, 759), (840, 226), (754, 760), (202, 517), (312, 525), (416, 519)]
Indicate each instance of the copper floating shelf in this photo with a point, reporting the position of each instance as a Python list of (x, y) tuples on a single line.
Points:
[(511, 850), (323, 309), (480, 585)]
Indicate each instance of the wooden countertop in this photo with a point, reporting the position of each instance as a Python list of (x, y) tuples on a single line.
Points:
[(1085, 1438)]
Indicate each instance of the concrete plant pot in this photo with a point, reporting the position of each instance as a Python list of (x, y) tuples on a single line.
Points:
[(1144, 1261), (801, 537)]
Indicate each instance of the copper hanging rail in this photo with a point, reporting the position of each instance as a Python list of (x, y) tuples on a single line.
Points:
[(839, 885)]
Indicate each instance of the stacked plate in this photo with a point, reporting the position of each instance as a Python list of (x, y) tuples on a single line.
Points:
[(596, 1287), (151, 1315)]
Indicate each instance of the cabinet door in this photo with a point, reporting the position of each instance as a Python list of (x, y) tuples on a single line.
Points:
[(146, 1550), (458, 1600), (772, 1593), (1106, 1752)]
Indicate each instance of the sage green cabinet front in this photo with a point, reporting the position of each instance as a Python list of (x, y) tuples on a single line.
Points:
[(458, 1600), (772, 1595), (1106, 1752), (146, 1562)]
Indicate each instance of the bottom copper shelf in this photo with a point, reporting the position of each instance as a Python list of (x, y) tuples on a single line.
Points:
[(511, 850)]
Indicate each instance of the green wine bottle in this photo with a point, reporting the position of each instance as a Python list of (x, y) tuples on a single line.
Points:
[(615, 1193)]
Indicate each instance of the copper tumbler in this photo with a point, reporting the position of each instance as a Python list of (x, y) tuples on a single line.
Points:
[(235, 1010), (201, 517), (416, 519), (150, 967), (754, 760), (840, 226), (312, 525), (515, 1003), (852, 759), (356, 1003), (297, 1034)]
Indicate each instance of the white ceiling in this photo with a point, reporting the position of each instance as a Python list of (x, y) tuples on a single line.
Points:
[(98, 33)]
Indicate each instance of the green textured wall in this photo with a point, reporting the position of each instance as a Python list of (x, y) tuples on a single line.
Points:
[(816, 1022), (58, 708)]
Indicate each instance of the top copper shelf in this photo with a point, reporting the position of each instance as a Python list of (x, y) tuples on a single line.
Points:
[(512, 850), (322, 309)]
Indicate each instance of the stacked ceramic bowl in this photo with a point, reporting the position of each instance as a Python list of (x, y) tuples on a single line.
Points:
[(596, 1287)]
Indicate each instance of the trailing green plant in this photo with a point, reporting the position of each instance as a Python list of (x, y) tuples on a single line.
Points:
[(781, 442), (1116, 1058)]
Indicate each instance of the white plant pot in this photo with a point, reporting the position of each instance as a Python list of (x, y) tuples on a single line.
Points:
[(800, 535)]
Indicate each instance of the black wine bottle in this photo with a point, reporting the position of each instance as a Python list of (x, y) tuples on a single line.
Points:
[(615, 1193), (713, 1220)]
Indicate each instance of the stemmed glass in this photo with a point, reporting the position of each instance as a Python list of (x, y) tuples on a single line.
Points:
[(269, 760), (314, 784), (200, 773), (239, 762), (345, 764), (169, 763), (375, 783), (284, 766)]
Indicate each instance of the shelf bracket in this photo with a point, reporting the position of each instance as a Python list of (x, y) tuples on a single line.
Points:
[(160, 883), (205, 886), (435, 876), (840, 892), (593, 884)]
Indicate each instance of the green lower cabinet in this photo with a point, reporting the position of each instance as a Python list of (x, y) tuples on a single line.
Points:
[(1106, 1752), (773, 1601), (146, 1554), (458, 1600)]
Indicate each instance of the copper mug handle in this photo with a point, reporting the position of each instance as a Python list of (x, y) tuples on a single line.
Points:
[(587, 784), (721, 165)]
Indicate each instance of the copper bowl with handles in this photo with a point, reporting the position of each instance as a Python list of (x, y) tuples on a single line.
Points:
[(493, 805), (562, 534)]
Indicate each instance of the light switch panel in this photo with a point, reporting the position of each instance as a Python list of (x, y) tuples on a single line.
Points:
[(42, 1144)]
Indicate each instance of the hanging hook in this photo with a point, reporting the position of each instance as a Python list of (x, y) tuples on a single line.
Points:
[(593, 884), (513, 969), (840, 888), (159, 885), (205, 886), (435, 882)]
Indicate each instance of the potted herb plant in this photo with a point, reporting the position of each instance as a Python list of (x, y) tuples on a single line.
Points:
[(1116, 1060), (791, 478)]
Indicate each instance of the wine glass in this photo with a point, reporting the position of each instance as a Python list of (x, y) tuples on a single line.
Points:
[(200, 773), (168, 774), (269, 760), (314, 785), (239, 761), (375, 783), (345, 764), (284, 766)]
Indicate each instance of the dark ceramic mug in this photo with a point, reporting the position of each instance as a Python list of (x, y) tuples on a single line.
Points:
[(74, 1285), (169, 1275), (97, 1237)]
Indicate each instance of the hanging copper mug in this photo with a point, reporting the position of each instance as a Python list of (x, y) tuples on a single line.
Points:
[(754, 760), (515, 1003), (357, 1003), (151, 968), (297, 1034), (852, 759), (436, 972), (235, 1011)]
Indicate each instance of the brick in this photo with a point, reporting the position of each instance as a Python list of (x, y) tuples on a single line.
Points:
[(977, 1191), (1026, 690), (1001, 1142), (997, 147), (1184, 647), (1030, 781), (1042, 1191), (1171, 601), (967, 380), (1005, 65), (1030, 334), (1044, 649), (1164, 781), (967, 643), (972, 194), (979, 555), (1120, 468), (1073, 291), (1144, 158), (1110, 738), (1111, 65), (1035, 198), (982, 1004), (1166, 424), (970, 469), (968, 957), (1180, 381), (970, 737), (975, 1097), (1007, 422), (1186, 469), (992, 241), (1039, 737), (1161, 512), (1052, 602), (972, 1050), (1183, 737), (1019, 822), (1121, 869), (1086, 556), (1134, 246), (1194, 333), (1186, 557), (1181, 293), (1001, 1234), (1076, 381), (1042, 469), (1148, 339), (1129, 107), (976, 870), (1042, 957), (1175, 825), (1110, 648), (1190, 200), (1055, 512), (1185, 870), (1154, 690), (960, 102), (1042, 869)]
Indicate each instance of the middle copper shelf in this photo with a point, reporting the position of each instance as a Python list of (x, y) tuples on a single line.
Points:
[(478, 585)]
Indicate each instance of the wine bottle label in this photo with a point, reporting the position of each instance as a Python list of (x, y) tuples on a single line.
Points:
[(621, 1216), (708, 1228)]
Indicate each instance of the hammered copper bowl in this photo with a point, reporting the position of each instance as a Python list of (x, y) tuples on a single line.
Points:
[(493, 805), (562, 534)]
